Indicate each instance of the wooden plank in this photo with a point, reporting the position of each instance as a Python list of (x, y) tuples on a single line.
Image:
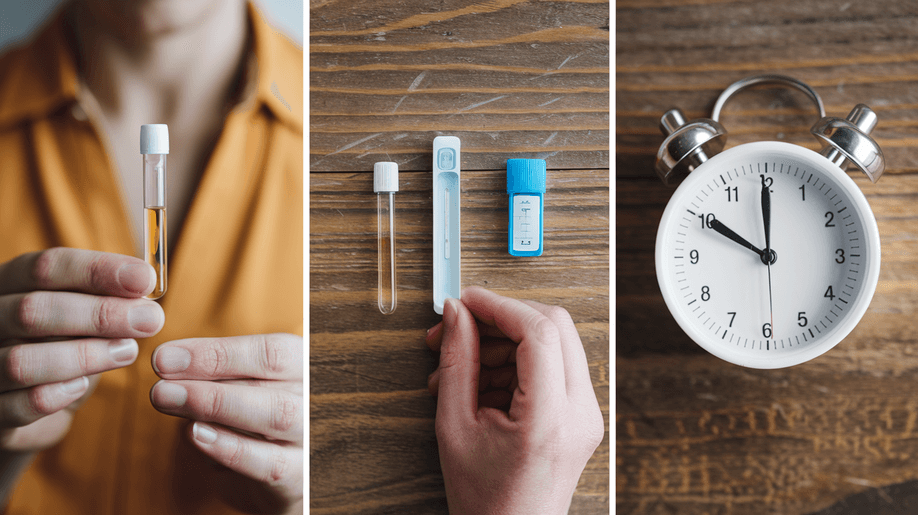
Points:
[(510, 78), (696, 435)]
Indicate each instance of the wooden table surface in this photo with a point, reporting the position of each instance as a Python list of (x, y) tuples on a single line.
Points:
[(696, 435), (510, 79)]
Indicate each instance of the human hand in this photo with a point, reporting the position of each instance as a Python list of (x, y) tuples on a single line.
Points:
[(244, 396), (65, 316), (527, 459)]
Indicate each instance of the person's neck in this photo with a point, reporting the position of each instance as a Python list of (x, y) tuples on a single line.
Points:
[(178, 74)]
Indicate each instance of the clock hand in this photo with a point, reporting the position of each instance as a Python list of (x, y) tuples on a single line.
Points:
[(718, 226), (766, 221), (766, 216)]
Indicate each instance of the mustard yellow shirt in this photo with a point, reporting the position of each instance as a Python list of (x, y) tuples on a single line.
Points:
[(236, 269)]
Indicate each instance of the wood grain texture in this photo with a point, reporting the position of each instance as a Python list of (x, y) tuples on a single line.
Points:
[(510, 79), (696, 435)]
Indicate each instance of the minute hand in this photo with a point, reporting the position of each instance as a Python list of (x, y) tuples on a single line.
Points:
[(766, 216), (718, 226)]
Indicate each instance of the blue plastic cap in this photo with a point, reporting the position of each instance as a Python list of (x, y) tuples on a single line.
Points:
[(525, 176)]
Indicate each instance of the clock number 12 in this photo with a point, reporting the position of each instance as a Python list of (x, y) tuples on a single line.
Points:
[(766, 181)]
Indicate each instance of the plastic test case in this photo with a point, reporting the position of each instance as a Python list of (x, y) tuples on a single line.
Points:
[(526, 187), (447, 282)]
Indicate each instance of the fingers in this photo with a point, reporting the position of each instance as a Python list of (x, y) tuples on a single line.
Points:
[(497, 352), (272, 356), (29, 364), (496, 399), (459, 367), (41, 434), (501, 377), (22, 407), (42, 313), (434, 337), (576, 367), (273, 413), (510, 316), (488, 380), (294, 387), (539, 359), (435, 334), (85, 271), (280, 467), (491, 357)]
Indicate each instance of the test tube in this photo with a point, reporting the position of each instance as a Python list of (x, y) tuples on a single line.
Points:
[(154, 145), (385, 184)]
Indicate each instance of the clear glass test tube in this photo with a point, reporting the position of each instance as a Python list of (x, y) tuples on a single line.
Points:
[(154, 145), (385, 184)]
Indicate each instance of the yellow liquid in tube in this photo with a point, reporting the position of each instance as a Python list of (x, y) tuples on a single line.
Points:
[(154, 248)]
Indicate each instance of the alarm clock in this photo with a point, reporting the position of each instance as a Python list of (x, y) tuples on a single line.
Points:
[(767, 254)]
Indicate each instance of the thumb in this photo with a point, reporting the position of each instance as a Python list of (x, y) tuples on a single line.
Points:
[(459, 365)]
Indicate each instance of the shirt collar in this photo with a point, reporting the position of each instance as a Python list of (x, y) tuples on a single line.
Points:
[(41, 76), (278, 70)]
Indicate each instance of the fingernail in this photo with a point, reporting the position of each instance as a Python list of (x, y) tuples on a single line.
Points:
[(171, 395), (136, 278), (75, 386), (449, 319), (449, 312), (203, 433), (170, 360), (122, 351), (146, 318)]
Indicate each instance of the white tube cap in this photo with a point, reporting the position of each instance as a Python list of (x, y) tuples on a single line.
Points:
[(385, 177), (154, 138)]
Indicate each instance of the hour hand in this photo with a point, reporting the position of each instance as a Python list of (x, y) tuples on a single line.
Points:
[(718, 226)]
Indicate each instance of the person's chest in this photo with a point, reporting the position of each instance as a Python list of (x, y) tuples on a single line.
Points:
[(191, 145)]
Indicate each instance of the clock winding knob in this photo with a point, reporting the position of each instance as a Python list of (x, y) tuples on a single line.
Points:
[(847, 141), (687, 145)]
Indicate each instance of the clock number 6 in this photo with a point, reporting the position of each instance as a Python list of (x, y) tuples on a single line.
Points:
[(766, 330)]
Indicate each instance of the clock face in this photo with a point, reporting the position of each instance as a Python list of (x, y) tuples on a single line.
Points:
[(761, 307)]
